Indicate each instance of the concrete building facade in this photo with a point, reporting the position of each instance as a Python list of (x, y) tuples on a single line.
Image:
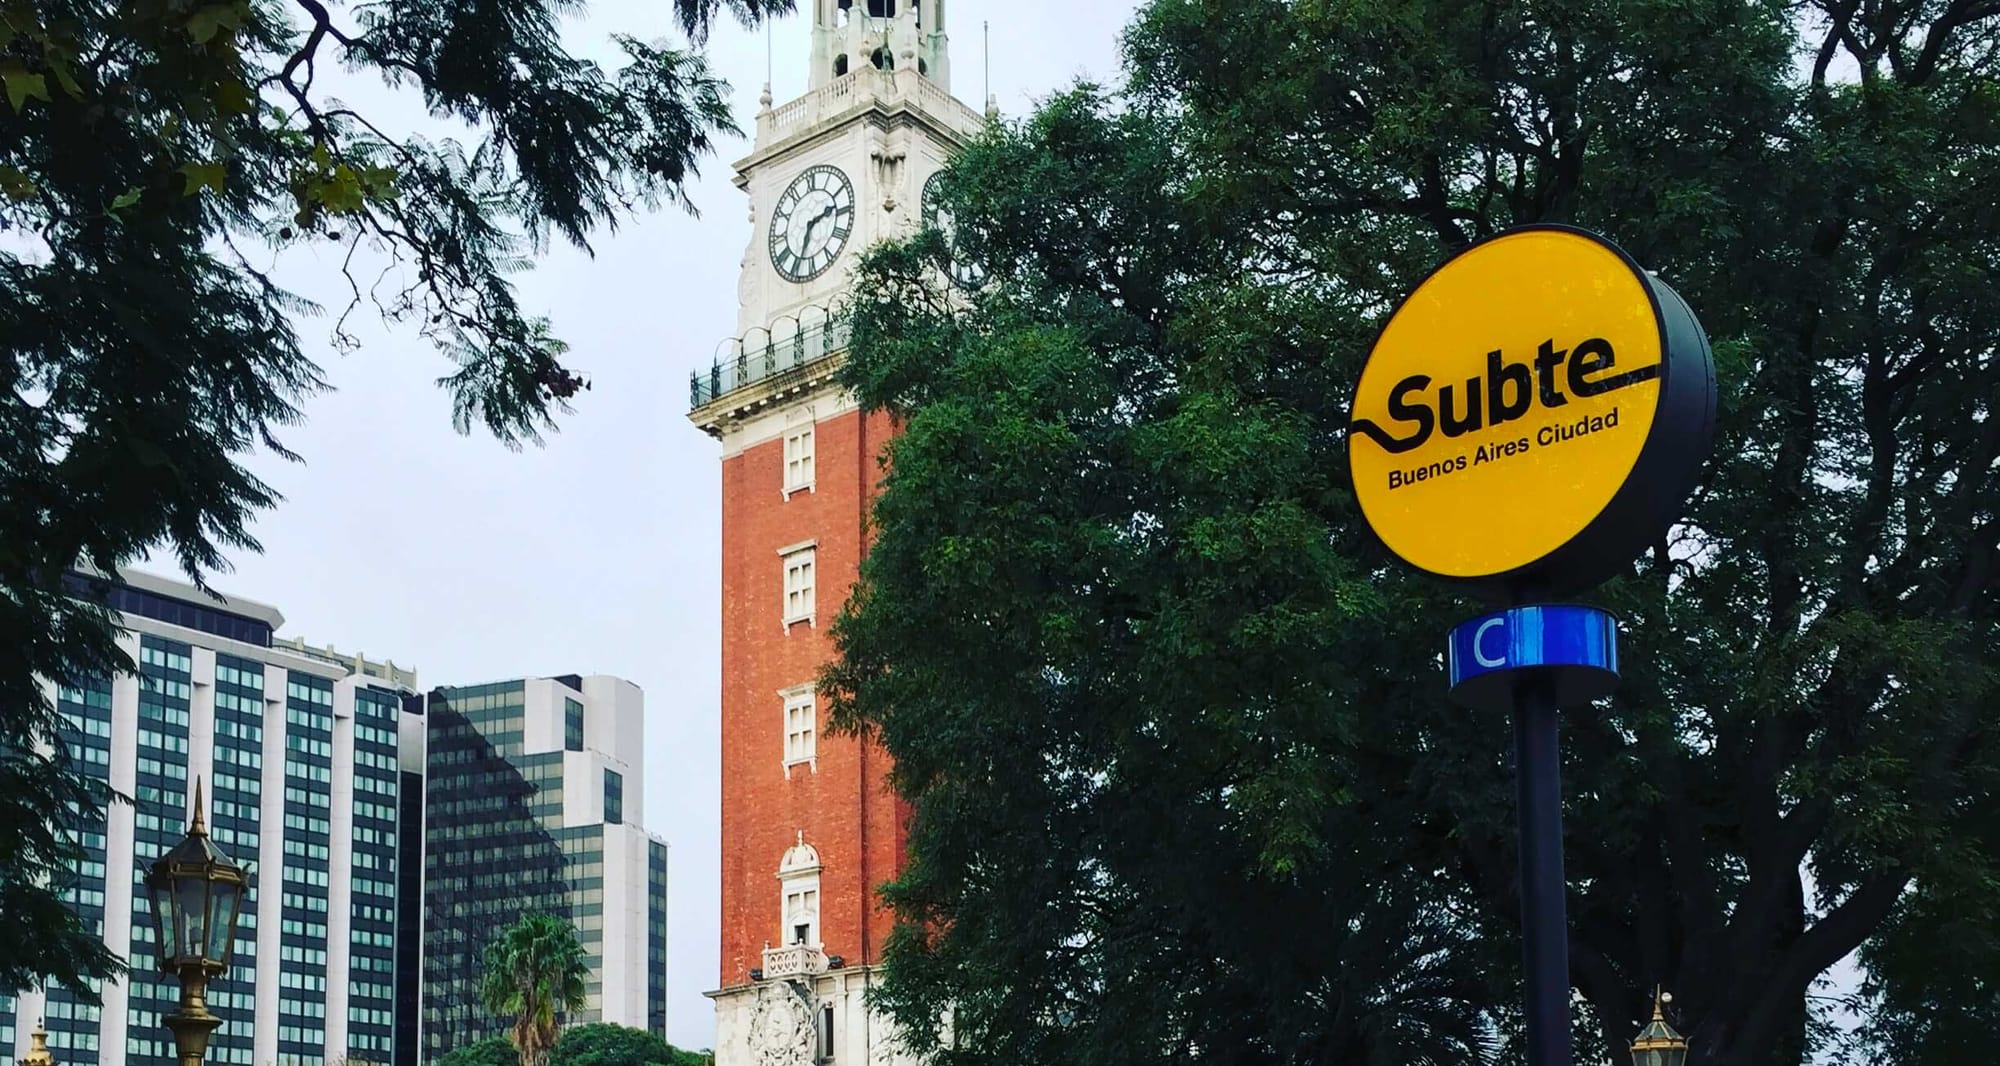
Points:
[(300, 751), (388, 833)]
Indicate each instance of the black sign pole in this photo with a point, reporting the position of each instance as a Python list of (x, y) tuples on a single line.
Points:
[(1533, 660), (1544, 909)]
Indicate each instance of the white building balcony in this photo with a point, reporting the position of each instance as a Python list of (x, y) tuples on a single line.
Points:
[(793, 960)]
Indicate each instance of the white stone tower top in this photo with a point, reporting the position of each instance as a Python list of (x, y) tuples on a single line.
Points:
[(886, 34)]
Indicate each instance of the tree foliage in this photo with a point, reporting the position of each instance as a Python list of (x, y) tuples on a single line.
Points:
[(1171, 721), (605, 1044), (492, 1051), (155, 157), (533, 971)]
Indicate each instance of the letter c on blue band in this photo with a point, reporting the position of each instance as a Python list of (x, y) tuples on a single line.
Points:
[(1575, 647), (1478, 634)]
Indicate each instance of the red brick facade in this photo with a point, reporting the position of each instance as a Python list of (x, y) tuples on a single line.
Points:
[(845, 808)]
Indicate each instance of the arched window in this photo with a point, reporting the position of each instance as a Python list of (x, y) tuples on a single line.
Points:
[(798, 880), (883, 59), (881, 9), (840, 64), (923, 68)]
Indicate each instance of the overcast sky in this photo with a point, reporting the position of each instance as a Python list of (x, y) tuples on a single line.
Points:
[(597, 553)]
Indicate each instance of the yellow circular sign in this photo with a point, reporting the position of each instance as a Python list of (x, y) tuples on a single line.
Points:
[(1510, 399)]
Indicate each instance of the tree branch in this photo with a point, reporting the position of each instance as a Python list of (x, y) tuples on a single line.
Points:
[(1831, 939)]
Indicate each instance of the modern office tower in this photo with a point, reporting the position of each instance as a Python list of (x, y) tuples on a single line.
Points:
[(530, 789), (299, 748), (810, 826)]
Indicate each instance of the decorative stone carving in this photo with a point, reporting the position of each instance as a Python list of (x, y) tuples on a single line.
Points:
[(781, 1027), (890, 169)]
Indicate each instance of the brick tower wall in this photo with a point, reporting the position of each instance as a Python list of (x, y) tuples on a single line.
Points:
[(845, 808)]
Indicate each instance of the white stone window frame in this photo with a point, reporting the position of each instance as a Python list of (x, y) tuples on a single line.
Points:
[(806, 698), (804, 555), (798, 880), (799, 449), (806, 891)]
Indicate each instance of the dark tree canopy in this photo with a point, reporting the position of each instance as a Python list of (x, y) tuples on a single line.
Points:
[(492, 1051), (1186, 786), (605, 1044), (154, 157)]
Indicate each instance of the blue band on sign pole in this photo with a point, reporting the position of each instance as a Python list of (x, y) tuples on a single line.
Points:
[(1575, 648)]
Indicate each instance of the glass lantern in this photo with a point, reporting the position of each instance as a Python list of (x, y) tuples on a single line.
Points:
[(1658, 1044), (197, 895)]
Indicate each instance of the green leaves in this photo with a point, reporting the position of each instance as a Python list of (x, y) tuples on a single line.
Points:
[(137, 154), (22, 85), (534, 969), (492, 1051), (213, 19), (1094, 630), (605, 1044), (14, 184), (203, 175), (1117, 570)]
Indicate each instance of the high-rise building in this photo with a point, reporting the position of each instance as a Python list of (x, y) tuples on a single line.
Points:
[(530, 792), (300, 749), (810, 826)]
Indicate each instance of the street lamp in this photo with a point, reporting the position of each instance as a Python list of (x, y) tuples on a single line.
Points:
[(197, 894), (1658, 1044)]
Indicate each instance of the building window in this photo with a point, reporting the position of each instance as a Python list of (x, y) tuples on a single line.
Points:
[(802, 914), (799, 585), (799, 460), (801, 728), (798, 880), (825, 1031), (614, 797), (572, 724)]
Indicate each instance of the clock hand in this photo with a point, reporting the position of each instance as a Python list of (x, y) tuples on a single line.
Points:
[(813, 225)]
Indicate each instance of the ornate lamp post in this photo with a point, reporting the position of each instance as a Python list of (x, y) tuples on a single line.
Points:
[(1658, 1044), (197, 894)]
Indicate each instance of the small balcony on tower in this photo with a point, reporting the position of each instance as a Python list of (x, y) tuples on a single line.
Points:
[(766, 365), (793, 960)]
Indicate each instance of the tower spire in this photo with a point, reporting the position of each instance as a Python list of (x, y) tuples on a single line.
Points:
[(854, 35)]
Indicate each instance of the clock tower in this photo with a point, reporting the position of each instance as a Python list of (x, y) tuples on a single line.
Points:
[(810, 826)]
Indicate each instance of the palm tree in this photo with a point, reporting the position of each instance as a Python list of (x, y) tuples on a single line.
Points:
[(534, 970)]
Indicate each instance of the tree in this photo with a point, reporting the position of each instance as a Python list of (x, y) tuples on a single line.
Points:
[(1170, 720), (605, 1044), (534, 970), (154, 156), (492, 1051)]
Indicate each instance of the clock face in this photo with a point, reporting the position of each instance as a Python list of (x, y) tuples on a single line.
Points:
[(967, 275), (811, 223)]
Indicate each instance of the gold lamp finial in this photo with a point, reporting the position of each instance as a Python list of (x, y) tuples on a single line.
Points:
[(38, 1049), (1658, 1043), (197, 828)]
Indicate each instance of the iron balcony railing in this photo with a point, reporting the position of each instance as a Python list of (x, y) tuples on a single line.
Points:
[(764, 354)]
